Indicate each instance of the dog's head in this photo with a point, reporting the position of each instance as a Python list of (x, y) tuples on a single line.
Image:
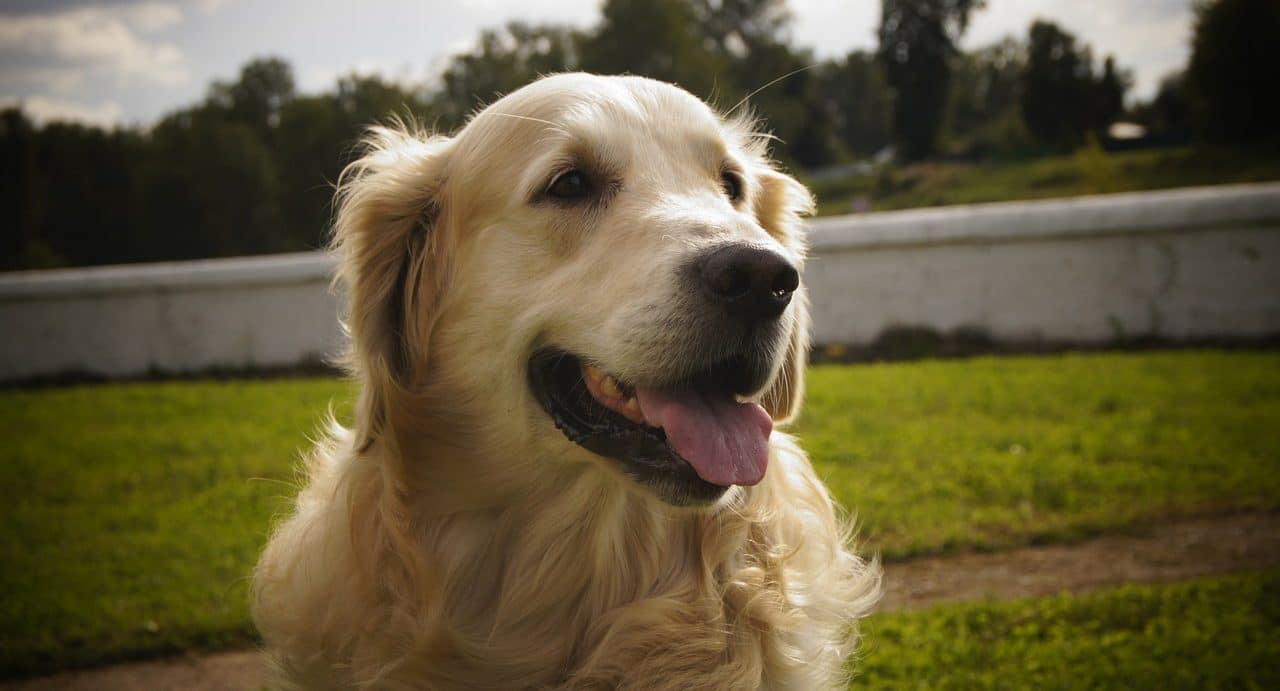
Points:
[(595, 269)]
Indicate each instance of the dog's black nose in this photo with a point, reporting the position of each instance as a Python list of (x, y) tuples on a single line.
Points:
[(750, 281)]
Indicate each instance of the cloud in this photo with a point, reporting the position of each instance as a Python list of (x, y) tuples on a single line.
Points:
[(212, 6), (324, 78), (54, 6), (63, 49), (43, 109)]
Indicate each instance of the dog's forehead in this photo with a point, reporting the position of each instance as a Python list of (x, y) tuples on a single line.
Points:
[(602, 110)]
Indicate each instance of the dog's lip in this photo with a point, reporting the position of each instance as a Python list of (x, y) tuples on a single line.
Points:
[(557, 380)]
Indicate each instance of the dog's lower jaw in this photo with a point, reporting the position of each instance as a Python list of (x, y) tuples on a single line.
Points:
[(585, 585)]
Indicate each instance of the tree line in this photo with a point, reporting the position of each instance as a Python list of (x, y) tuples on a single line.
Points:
[(249, 168)]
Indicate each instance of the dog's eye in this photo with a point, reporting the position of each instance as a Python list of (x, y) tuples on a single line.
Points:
[(571, 185), (732, 185)]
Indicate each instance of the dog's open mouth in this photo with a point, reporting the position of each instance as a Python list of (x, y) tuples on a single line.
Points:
[(691, 439)]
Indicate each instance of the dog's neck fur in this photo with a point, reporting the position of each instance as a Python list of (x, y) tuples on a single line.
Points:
[(578, 582), (560, 574)]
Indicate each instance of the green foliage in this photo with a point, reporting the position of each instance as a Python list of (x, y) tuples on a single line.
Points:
[(1233, 73), (859, 102), (228, 205), (251, 167), (661, 39), (917, 41), (503, 60), (256, 98), (992, 452), (1210, 634), (248, 170), (135, 511), (983, 117), (45, 168), (1167, 115), (1062, 98)]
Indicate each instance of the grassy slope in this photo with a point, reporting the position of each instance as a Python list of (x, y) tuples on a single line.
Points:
[(1211, 634), (134, 512), (1089, 171)]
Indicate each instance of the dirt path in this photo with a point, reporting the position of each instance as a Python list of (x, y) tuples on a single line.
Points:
[(1171, 552), (1174, 551)]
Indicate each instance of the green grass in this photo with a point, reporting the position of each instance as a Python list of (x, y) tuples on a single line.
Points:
[(1088, 171), (1212, 634), (133, 512), (990, 452)]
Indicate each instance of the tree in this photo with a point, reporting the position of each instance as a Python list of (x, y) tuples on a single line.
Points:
[(208, 187), (662, 39), (917, 40), (20, 192), (1233, 73), (1169, 113), (256, 98), (1062, 99), (736, 26), (860, 103), (502, 61), (780, 84), (983, 113), (317, 137)]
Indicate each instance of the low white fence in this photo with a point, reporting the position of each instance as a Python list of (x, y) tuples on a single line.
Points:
[(173, 317), (1187, 264), (1190, 264)]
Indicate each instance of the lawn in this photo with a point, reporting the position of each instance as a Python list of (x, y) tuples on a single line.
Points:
[(1212, 634), (992, 452), (1088, 171), (134, 511)]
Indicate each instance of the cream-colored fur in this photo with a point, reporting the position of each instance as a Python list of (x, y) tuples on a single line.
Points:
[(454, 538)]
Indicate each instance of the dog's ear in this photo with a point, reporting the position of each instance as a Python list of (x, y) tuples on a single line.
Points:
[(386, 237), (780, 206)]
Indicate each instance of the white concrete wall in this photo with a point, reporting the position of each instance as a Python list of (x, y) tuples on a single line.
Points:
[(253, 312), (1183, 264)]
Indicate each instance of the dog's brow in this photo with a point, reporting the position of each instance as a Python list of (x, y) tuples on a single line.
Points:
[(712, 150)]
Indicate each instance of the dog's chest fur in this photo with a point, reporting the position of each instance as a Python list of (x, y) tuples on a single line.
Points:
[(594, 590)]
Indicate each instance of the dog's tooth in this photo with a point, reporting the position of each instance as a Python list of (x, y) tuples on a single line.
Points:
[(609, 386), (593, 373), (633, 408)]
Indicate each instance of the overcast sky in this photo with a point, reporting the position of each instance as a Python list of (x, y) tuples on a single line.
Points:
[(131, 61)]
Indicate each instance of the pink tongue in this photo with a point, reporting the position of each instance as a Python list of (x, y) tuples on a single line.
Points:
[(725, 441)]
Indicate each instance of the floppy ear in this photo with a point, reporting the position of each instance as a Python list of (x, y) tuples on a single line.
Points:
[(780, 206), (389, 261)]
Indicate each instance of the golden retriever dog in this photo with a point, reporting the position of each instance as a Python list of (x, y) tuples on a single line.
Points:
[(575, 326)]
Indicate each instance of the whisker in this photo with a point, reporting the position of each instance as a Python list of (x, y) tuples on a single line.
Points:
[(526, 117), (775, 81)]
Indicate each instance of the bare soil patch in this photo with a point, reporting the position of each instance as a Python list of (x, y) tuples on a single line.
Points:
[(1173, 551)]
